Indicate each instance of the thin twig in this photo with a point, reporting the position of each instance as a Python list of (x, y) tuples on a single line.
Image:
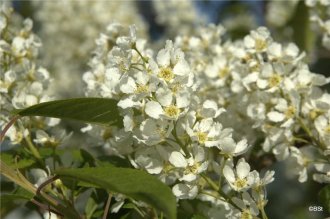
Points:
[(42, 185), (3, 132), (107, 206), (46, 207)]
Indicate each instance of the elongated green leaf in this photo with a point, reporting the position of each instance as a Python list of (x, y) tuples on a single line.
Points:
[(134, 183), (16, 177), (19, 163), (90, 110), (10, 201)]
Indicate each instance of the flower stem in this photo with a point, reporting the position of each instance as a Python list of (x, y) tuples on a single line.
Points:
[(107, 206)]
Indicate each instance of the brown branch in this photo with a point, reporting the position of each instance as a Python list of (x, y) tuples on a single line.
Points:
[(107, 206), (3, 132), (46, 207)]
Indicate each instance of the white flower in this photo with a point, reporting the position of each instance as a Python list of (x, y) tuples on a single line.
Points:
[(178, 160), (249, 208), (210, 109), (171, 67), (322, 125), (185, 191), (207, 132), (196, 164), (7, 81), (229, 148), (155, 131), (149, 159), (169, 106), (240, 179), (258, 40)]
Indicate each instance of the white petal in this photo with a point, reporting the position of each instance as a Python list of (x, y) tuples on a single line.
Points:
[(275, 116), (128, 123), (154, 109), (31, 100), (242, 168), (164, 96), (163, 58), (149, 128), (249, 42), (128, 86), (227, 145), (127, 103), (182, 99), (189, 177), (177, 159), (181, 68), (262, 84), (86, 128), (229, 174), (241, 147), (212, 71), (205, 125)]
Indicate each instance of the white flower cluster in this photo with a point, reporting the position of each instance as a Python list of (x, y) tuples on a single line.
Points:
[(171, 124), (320, 14), (71, 39), (23, 82), (267, 86)]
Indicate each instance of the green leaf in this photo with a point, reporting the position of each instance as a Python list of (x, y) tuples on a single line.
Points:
[(198, 216), (10, 201), (131, 182), (91, 206), (16, 177), (18, 163), (324, 197), (89, 110)]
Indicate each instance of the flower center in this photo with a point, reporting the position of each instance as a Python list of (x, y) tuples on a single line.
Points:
[(327, 129), (176, 87), (274, 80), (172, 111), (192, 169), (290, 112), (223, 72), (260, 44), (240, 183), (202, 137), (141, 89), (314, 113), (166, 74)]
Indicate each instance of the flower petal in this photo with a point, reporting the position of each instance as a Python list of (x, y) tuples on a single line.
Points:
[(154, 109)]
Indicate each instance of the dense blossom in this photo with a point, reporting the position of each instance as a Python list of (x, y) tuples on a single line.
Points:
[(198, 111), (183, 101), (23, 82)]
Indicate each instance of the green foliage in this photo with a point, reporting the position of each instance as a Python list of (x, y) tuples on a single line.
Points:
[(324, 198), (16, 161), (133, 183), (10, 201), (90, 110)]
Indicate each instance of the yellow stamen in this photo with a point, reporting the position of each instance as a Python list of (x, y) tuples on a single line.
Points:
[(166, 74), (172, 111), (274, 80)]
